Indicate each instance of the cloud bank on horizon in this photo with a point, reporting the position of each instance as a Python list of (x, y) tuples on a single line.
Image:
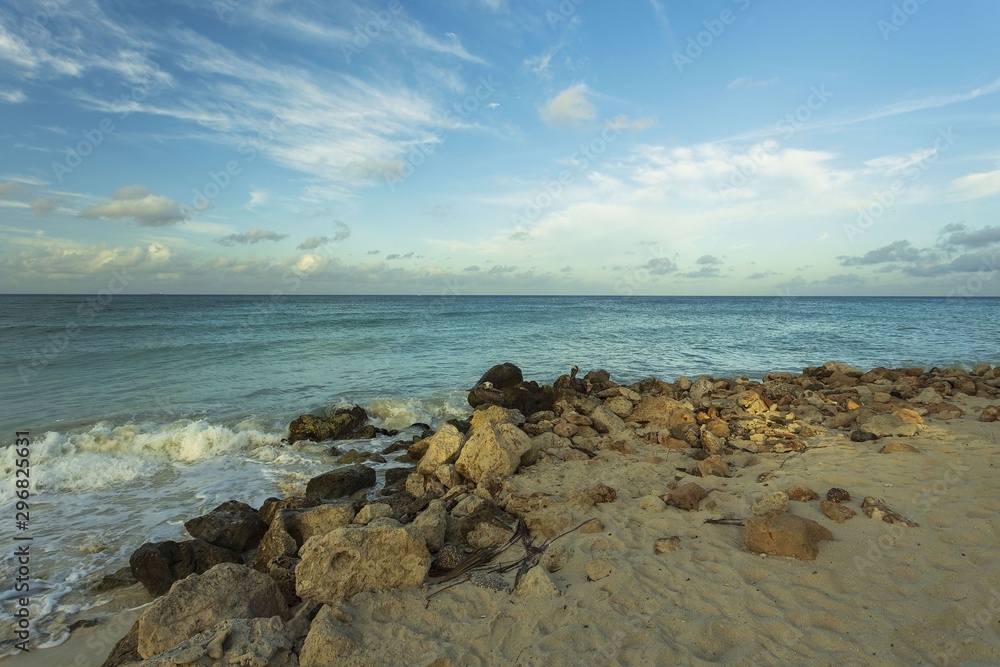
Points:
[(501, 147)]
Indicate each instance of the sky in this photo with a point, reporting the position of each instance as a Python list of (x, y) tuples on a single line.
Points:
[(641, 147)]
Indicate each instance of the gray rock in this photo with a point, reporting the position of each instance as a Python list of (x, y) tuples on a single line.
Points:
[(340, 483), (232, 525), (158, 565), (202, 601)]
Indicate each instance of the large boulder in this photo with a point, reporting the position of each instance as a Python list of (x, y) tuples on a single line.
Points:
[(202, 601), (784, 535), (232, 525), (291, 528), (343, 424), (661, 412), (503, 376), (887, 425), (355, 558), (496, 446), (157, 565), (330, 641), (340, 483), (443, 447)]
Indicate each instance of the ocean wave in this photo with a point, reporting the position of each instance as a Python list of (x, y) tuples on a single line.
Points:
[(107, 455)]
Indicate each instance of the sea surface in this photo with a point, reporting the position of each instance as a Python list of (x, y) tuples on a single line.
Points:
[(144, 411)]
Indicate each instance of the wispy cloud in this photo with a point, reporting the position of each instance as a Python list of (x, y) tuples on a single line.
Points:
[(569, 107)]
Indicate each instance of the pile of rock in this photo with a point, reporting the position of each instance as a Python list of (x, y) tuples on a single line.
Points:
[(257, 586)]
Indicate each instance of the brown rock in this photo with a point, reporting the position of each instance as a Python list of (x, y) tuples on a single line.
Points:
[(909, 416), (667, 545), (565, 429), (785, 535), (836, 511), (598, 570), (801, 493), (670, 442), (601, 493), (714, 465), (686, 497), (897, 447), (990, 413), (837, 495)]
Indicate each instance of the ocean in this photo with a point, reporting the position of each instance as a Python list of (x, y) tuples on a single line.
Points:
[(144, 411)]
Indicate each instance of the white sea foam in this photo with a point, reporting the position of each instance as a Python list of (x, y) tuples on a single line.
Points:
[(399, 413), (108, 455)]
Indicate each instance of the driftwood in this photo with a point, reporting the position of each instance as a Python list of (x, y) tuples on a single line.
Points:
[(481, 560), (876, 509)]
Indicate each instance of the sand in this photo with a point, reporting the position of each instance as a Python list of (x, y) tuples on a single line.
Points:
[(878, 594)]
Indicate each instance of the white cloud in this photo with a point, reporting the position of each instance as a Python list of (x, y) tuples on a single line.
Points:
[(257, 197), (137, 203), (569, 107), (13, 96), (976, 186)]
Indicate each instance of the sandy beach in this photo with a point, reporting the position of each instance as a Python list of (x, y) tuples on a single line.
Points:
[(878, 593)]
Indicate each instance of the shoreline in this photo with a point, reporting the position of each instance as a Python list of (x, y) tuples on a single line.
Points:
[(944, 486)]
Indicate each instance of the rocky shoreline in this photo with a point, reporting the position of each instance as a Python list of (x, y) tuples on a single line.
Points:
[(481, 503)]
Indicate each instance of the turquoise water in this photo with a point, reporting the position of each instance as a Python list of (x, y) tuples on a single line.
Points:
[(226, 358), (146, 411)]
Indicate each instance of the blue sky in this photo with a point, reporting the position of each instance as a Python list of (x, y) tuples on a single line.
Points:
[(500, 147)]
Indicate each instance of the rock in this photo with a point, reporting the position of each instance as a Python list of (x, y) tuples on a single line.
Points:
[(352, 456), (591, 527), (652, 504), (157, 565), (666, 545), (448, 558), (836, 511), (909, 416), (751, 402), (700, 388), (442, 447), (713, 465), (270, 507), (686, 497), (712, 443), (496, 446), (341, 425), (897, 447), (599, 376), (368, 513), (340, 483), (862, 436), (278, 542), (660, 412), (768, 502), (845, 369), (125, 652), (620, 406), (353, 559), (536, 582), (606, 421), (201, 601), (990, 413), (598, 569), (601, 493), (319, 520), (801, 494), (396, 475), (785, 535), (232, 525), (837, 495), (331, 640), (502, 376), (556, 557), (565, 429), (433, 524), (257, 641), (928, 396), (448, 476), (888, 425), (424, 487)]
